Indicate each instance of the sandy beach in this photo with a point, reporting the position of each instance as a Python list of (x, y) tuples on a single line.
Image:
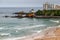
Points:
[(52, 33)]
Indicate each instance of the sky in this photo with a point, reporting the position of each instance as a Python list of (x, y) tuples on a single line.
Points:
[(26, 3)]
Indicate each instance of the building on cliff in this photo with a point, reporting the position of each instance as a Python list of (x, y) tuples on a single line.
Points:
[(48, 6), (57, 7)]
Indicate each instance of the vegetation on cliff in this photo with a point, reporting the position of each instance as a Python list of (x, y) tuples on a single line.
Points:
[(48, 12)]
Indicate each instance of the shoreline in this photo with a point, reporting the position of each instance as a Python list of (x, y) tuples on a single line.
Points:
[(33, 17), (50, 33)]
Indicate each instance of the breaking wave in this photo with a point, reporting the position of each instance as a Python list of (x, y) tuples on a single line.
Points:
[(56, 21), (3, 34), (29, 36), (25, 27)]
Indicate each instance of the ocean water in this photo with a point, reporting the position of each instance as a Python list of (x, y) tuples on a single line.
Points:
[(13, 28)]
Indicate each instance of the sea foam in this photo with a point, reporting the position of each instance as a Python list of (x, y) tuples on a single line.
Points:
[(57, 21), (3, 34), (39, 34), (28, 27)]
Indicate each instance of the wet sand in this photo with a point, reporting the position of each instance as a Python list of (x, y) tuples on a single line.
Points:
[(52, 33)]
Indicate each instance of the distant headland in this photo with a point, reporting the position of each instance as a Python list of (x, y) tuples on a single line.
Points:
[(49, 11)]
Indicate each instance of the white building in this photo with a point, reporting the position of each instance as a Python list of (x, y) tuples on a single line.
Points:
[(48, 6), (57, 7)]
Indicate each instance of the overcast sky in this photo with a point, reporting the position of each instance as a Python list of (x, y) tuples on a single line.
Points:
[(25, 3)]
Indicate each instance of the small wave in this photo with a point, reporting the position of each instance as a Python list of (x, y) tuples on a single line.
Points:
[(4, 34), (1, 28), (55, 21), (30, 37), (34, 26), (39, 31), (8, 39), (29, 27), (16, 38), (58, 26), (23, 27)]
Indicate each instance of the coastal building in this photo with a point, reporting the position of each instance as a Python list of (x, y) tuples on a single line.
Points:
[(48, 6), (57, 7)]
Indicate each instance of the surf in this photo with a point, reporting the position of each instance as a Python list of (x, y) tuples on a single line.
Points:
[(56, 21)]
